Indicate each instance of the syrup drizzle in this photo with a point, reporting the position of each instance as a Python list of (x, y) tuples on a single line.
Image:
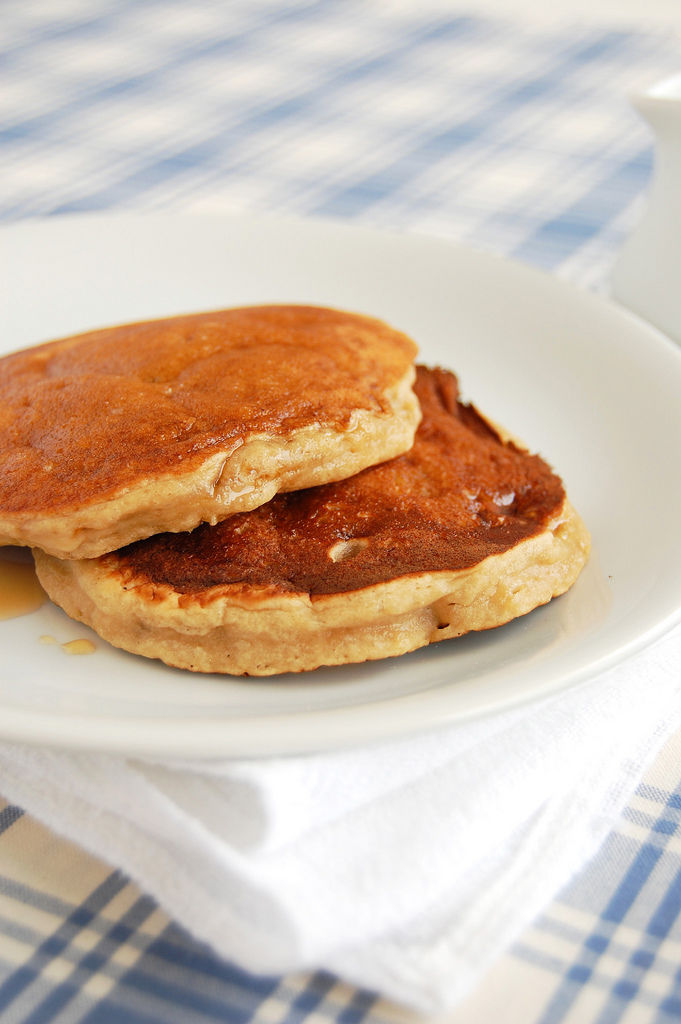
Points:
[(79, 646), (21, 594), (20, 591)]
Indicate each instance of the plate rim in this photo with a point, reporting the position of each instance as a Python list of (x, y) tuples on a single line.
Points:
[(23, 726)]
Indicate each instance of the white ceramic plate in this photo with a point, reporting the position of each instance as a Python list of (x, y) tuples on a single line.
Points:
[(592, 388)]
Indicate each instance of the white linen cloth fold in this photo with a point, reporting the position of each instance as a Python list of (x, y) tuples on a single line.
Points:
[(406, 868)]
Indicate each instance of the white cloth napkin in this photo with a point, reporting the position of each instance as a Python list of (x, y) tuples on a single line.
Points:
[(406, 868)]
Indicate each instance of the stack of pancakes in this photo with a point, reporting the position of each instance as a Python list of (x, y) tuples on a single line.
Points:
[(271, 489)]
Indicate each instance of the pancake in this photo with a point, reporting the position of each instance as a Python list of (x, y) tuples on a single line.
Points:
[(121, 433), (464, 532)]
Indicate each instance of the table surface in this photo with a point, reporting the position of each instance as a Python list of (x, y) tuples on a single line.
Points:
[(478, 125)]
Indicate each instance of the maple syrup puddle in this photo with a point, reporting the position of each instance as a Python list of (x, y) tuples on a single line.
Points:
[(21, 594), (80, 646), (20, 591)]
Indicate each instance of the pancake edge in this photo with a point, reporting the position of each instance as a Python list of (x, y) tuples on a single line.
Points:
[(239, 477), (256, 631)]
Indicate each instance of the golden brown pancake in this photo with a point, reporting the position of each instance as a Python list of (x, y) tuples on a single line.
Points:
[(463, 532), (121, 433)]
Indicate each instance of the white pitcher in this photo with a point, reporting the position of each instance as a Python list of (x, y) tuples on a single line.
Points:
[(647, 275)]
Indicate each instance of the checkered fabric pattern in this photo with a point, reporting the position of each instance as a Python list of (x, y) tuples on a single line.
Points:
[(609, 949), (513, 137), (79, 943)]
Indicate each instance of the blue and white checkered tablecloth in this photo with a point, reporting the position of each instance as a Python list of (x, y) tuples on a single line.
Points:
[(513, 136)]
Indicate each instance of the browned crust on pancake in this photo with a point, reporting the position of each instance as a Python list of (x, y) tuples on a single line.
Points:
[(121, 433), (463, 532), (457, 496), (261, 634)]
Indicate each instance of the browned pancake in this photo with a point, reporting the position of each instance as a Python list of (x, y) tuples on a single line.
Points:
[(465, 531), (121, 433)]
